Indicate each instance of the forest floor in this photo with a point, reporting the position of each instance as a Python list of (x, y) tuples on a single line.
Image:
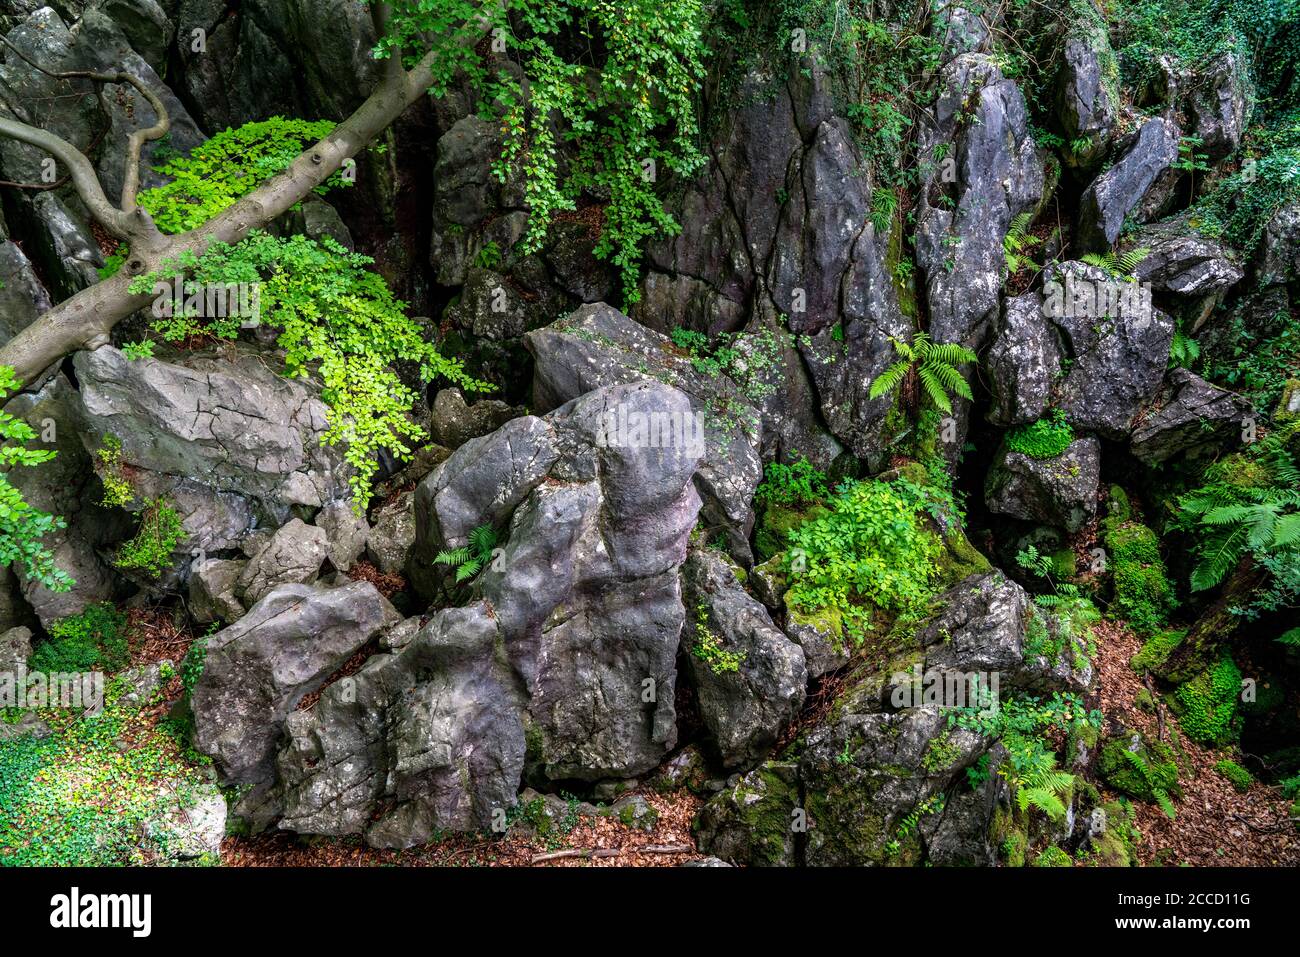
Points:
[(1216, 826)]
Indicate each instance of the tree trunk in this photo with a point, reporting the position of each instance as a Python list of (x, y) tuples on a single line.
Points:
[(86, 320), (1200, 648)]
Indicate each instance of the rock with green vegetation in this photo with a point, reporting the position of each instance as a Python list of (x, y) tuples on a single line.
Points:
[(1207, 704), (1143, 593), (1137, 766), (1237, 776), (229, 422), (1087, 86), (868, 784), (749, 678), (1156, 649), (756, 821), (1113, 835), (1059, 491), (776, 522), (1053, 856), (821, 636)]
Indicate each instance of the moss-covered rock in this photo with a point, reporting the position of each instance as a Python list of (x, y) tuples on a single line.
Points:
[(1137, 766), (1207, 705), (753, 822), (1053, 856), (1143, 594), (1236, 775), (775, 525), (1113, 836)]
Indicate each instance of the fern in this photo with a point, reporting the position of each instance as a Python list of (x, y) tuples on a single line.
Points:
[(1289, 638), (1118, 266), (884, 202), (1160, 795), (1248, 506), (1016, 241), (472, 558), (935, 368)]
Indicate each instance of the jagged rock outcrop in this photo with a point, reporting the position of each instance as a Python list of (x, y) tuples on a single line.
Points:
[(1189, 418), (293, 555), (260, 667), (228, 423), (745, 707), (1116, 192), (990, 174), (1059, 491), (598, 346)]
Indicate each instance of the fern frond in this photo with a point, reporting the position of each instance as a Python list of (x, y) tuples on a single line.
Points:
[(1289, 638), (888, 380), (934, 389), (1166, 804), (949, 378), (952, 353), (483, 539), (1127, 264), (468, 569), (1217, 557), (453, 556)]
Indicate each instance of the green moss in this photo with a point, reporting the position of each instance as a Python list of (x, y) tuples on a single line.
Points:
[(1153, 770), (1053, 856), (960, 558), (1207, 705), (94, 639), (1156, 649), (1143, 595), (1117, 844), (1237, 776), (777, 522)]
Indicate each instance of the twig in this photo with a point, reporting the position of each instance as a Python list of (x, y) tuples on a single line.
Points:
[(602, 852)]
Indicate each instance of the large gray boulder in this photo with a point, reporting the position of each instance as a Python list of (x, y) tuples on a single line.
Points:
[(598, 346), (1060, 491), (1190, 418), (1118, 343), (1022, 363), (990, 174), (1117, 191), (260, 668), (747, 707), (433, 734), (586, 589), (293, 555), (224, 420)]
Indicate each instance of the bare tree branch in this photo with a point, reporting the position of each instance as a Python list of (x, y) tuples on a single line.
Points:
[(86, 320)]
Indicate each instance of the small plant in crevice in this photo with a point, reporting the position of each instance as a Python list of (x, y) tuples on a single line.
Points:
[(708, 648), (471, 558), (934, 366), (150, 550), (1118, 265), (118, 490), (799, 483), (1017, 242), (1044, 439)]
